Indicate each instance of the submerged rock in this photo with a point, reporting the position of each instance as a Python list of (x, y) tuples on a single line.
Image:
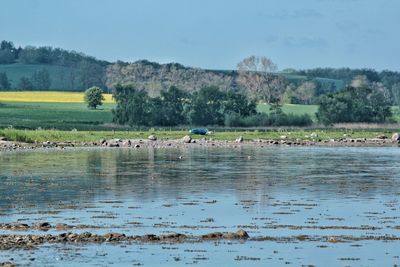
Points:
[(44, 226), (7, 264)]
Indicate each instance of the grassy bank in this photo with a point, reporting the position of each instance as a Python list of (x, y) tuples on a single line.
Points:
[(89, 136)]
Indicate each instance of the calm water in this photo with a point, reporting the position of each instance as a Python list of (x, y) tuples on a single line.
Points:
[(266, 191)]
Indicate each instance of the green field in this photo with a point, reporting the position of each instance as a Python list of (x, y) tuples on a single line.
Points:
[(292, 108), (67, 116), (19, 110), (66, 111)]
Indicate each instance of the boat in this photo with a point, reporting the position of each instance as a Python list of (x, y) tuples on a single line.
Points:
[(200, 131)]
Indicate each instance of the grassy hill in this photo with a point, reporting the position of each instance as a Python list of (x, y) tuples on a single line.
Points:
[(60, 76), (66, 78), (298, 79)]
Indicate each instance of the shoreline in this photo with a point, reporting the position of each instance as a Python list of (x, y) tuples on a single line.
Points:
[(186, 142)]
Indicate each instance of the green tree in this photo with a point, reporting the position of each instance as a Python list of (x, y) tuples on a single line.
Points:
[(41, 80), (172, 104), (94, 97), (206, 107), (7, 52), (239, 104), (5, 84), (354, 105), (133, 106), (25, 84)]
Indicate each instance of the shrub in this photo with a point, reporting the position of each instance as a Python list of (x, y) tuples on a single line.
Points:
[(263, 120)]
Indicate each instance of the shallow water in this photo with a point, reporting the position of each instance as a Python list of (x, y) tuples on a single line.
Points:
[(272, 191)]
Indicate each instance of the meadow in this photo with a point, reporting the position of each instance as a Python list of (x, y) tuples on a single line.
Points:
[(67, 111)]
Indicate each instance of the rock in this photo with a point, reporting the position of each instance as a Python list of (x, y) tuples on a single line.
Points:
[(152, 137), (113, 144), (150, 237), (114, 237), (43, 226), (2, 138), (242, 234), (313, 134), (382, 136), (126, 143), (172, 236), (72, 237), (212, 235), (62, 226), (283, 136), (239, 139), (332, 239), (187, 139), (19, 226), (396, 137), (48, 143), (7, 264)]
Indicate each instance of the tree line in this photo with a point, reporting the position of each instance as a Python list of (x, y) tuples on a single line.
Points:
[(208, 106)]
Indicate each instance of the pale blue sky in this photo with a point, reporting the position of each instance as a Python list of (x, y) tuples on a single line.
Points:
[(213, 33)]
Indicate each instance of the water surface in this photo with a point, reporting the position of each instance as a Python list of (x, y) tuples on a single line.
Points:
[(271, 191)]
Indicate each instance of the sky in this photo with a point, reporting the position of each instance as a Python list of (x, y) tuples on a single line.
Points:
[(213, 34)]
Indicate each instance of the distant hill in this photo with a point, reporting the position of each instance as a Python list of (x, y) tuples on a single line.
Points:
[(61, 77), (148, 75), (155, 77), (74, 71)]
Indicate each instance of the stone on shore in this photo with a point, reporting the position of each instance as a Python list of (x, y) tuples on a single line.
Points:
[(187, 139), (152, 137), (396, 137)]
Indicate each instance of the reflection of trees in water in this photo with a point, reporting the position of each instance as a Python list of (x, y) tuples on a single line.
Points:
[(46, 178)]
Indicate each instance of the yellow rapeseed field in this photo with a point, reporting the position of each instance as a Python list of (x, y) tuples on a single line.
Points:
[(70, 97)]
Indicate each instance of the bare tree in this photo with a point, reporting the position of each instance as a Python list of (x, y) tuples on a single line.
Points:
[(359, 81), (306, 91), (257, 76), (396, 93)]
